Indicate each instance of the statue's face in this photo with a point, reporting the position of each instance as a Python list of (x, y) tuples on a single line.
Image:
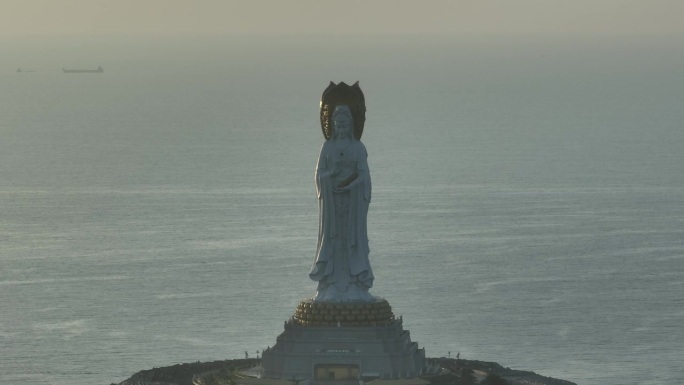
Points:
[(342, 124)]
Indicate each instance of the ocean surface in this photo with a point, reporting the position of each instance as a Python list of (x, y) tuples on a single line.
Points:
[(528, 199)]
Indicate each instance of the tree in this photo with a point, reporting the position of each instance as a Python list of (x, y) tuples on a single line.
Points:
[(467, 376)]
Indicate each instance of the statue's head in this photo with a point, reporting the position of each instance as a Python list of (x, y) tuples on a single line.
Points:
[(350, 97), (343, 121)]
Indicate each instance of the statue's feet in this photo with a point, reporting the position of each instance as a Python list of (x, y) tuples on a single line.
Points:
[(351, 293)]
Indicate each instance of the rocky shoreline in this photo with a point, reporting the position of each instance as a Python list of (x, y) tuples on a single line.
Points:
[(454, 372)]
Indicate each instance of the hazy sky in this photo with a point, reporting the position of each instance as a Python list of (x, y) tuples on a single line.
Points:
[(517, 17)]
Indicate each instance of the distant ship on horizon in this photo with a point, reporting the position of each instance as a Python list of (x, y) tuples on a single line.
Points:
[(99, 70)]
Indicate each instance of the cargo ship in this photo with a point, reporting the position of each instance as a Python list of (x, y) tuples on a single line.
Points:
[(99, 70)]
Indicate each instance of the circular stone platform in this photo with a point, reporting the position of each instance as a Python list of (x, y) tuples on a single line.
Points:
[(322, 313)]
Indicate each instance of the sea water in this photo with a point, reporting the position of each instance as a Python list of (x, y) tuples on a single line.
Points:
[(527, 208)]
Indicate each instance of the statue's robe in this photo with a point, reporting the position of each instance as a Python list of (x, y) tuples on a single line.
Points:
[(342, 250)]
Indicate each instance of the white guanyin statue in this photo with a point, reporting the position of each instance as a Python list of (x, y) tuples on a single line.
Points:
[(343, 187)]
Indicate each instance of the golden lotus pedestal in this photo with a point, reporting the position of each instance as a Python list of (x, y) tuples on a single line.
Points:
[(349, 314), (338, 342)]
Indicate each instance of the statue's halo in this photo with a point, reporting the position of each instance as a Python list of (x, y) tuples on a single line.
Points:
[(343, 94)]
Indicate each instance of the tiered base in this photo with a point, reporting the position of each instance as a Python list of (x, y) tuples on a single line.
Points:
[(343, 341)]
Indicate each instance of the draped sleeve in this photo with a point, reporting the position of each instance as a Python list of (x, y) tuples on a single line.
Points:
[(326, 215)]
